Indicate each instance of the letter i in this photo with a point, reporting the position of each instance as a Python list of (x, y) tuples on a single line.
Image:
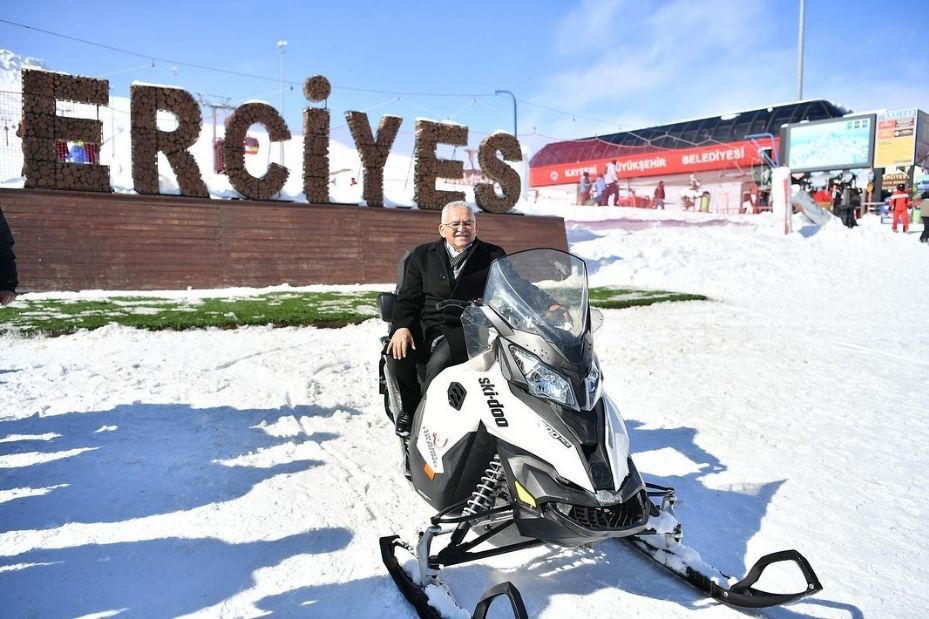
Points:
[(316, 142)]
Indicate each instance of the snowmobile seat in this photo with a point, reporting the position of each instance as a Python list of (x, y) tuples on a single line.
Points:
[(387, 300), (385, 311), (385, 308)]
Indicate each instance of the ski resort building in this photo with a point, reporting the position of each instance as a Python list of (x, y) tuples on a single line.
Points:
[(718, 161)]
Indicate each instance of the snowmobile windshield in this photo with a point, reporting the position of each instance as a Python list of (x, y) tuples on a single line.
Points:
[(542, 292)]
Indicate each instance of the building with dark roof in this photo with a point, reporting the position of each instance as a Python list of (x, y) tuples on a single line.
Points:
[(728, 149)]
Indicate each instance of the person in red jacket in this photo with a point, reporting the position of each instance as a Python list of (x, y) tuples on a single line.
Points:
[(899, 203), (658, 196)]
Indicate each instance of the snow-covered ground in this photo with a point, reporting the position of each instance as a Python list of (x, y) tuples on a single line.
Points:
[(251, 472)]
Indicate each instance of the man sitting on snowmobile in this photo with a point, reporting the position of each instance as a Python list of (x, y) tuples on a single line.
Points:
[(453, 267)]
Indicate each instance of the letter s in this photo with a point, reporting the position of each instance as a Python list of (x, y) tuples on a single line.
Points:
[(496, 170)]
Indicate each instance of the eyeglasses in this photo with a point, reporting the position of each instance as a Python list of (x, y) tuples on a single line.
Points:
[(467, 225)]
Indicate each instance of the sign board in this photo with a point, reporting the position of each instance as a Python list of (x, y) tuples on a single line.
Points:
[(43, 127), (835, 144), (891, 179), (658, 162), (895, 143)]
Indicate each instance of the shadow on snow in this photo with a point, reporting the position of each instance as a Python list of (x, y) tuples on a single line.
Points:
[(366, 597), (158, 578), (140, 460)]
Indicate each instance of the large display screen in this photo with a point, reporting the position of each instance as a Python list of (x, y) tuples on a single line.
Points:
[(833, 144)]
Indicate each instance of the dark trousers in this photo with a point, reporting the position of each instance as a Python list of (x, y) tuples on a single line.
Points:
[(407, 374), (612, 189), (924, 237)]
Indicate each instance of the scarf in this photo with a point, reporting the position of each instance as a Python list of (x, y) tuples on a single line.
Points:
[(456, 263)]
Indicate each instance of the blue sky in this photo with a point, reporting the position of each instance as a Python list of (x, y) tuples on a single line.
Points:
[(576, 69)]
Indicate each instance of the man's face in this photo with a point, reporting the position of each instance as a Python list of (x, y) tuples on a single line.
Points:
[(458, 227)]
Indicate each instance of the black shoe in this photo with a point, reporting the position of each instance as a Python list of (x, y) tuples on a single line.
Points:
[(404, 421)]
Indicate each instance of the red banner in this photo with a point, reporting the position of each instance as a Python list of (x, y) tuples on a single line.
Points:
[(665, 162)]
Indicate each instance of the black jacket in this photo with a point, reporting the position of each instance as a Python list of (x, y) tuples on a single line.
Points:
[(8, 280), (426, 281)]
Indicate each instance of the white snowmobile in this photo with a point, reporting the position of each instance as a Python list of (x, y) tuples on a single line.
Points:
[(522, 435)]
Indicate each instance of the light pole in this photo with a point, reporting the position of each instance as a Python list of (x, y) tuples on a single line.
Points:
[(512, 96), (282, 45), (800, 52)]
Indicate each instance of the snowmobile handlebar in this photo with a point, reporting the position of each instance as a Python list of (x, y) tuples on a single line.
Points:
[(453, 303)]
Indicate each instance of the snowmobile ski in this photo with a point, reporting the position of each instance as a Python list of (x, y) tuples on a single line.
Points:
[(419, 598), (662, 543), (684, 562)]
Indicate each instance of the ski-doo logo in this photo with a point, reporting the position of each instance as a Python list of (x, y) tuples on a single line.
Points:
[(555, 434), (495, 405), (430, 445)]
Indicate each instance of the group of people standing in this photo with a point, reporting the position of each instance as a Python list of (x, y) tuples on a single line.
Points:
[(606, 185), (599, 191)]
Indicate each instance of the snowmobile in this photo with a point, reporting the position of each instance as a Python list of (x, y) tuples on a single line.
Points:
[(522, 436)]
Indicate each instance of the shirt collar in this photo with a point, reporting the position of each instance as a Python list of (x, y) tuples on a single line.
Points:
[(451, 250)]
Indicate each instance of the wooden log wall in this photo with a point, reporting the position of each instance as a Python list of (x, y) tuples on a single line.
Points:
[(69, 240)]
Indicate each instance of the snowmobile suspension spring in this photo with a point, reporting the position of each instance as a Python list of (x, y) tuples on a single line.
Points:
[(487, 489)]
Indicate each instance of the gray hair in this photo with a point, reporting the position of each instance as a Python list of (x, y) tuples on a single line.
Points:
[(457, 204)]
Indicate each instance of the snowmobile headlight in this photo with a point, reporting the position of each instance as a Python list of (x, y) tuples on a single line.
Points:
[(592, 385), (542, 380)]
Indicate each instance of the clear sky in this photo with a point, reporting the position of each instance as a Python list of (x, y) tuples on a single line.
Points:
[(576, 69)]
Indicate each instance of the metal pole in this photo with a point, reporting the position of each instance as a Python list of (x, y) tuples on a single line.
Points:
[(512, 96), (282, 45), (800, 52)]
